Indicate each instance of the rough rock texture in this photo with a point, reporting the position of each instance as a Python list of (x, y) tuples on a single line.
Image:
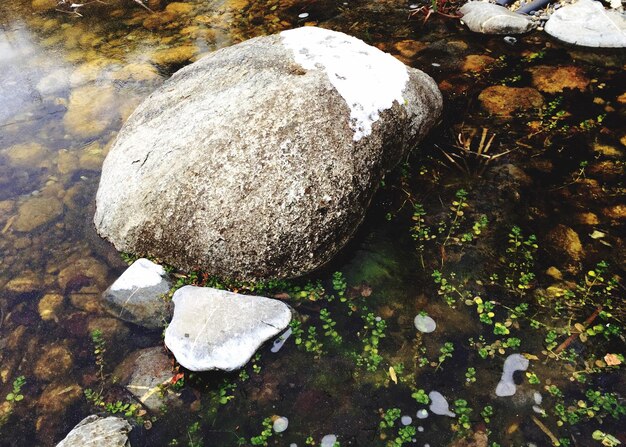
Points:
[(261, 159), (588, 24), (142, 372), (137, 295), (551, 79), (95, 431), (488, 18), (504, 101), (214, 329)]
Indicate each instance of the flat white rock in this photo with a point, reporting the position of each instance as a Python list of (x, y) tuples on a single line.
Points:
[(214, 329), (489, 18), (587, 23)]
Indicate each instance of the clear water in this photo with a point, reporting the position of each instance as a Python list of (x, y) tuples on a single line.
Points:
[(66, 85)]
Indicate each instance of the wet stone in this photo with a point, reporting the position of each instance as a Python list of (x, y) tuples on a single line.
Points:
[(96, 431), (57, 396), (137, 296), (27, 282), (51, 306), (113, 330), (29, 155), (549, 79), (566, 242), (142, 372), (503, 101), (36, 212), (83, 272), (477, 62), (55, 362), (91, 110), (174, 56), (489, 18)]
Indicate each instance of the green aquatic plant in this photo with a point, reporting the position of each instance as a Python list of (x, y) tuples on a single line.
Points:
[(445, 352), (99, 349), (470, 375), (605, 439), (265, 435), (16, 392), (389, 418), (421, 397), (463, 411), (520, 260), (373, 331), (328, 325), (487, 413)]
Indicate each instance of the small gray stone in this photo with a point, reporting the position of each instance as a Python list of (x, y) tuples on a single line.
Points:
[(137, 295), (142, 372), (488, 18), (96, 431), (587, 23), (214, 329), (425, 324)]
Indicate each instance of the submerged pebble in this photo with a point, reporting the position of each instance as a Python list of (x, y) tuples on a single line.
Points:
[(406, 420), (439, 404), (328, 441), (304, 15), (280, 341), (280, 424), (506, 386), (422, 414), (420, 429), (424, 323)]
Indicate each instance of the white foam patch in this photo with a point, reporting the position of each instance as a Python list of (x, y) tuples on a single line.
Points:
[(368, 79), (142, 273), (515, 362)]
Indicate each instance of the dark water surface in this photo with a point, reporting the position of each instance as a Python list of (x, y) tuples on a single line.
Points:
[(554, 168)]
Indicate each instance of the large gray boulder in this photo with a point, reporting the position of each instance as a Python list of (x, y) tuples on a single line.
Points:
[(138, 295), (96, 431), (260, 159), (587, 23), (488, 18), (214, 329)]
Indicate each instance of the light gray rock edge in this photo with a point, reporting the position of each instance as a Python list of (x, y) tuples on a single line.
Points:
[(137, 295), (214, 329), (488, 18), (96, 431), (587, 23), (244, 164)]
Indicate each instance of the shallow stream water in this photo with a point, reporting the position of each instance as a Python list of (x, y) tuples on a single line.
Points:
[(543, 152)]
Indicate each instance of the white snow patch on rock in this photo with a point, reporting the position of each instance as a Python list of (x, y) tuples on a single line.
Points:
[(142, 273), (515, 362), (368, 79)]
